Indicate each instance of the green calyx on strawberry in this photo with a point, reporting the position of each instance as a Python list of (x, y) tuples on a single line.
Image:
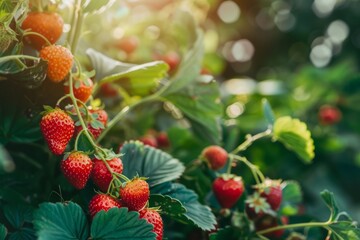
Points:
[(101, 175), (215, 156), (102, 202), (82, 86), (96, 121), (256, 206), (57, 128), (153, 217), (271, 190), (135, 194), (228, 189), (76, 167)]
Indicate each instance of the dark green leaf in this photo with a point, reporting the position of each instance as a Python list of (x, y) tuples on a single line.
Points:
[(200, 103), (61, 221), (168, 205), (291, 197), (84, 143), (118, 223), (268, 112), (3, 232), (94, 6), (6, 163), (344, 230), (156, 165), (330, 202), (196, 213), (23, 234), (17, 215), (136, 79)]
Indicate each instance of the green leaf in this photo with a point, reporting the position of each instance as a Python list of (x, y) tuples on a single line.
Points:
[(200, 103), (291, 197), (295, 136), (330, 202), (94, 6), (268, 112), (118, 223), (191, 62), (84, 143), (17, 215), (156, 165), (3, 232), (140, 79), (60, 221), (23, 234), (196, 213), (344, 230), (168, 205), (6, 163)]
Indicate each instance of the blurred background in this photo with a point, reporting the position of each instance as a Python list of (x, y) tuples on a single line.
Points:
[(302, 55)]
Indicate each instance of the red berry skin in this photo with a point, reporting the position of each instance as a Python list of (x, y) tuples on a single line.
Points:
[(101, 175), (266, 222), (172, 59), (228, 190), (128, 44), (57, 128), (162, 140), (77, 169), (154, 218), (251, 213), (149, 140), (102, 202), (60, 61), (48, 24), (215, 156), (273, 196), (81, 90), (108, 90), (329, 115), (135, 194)]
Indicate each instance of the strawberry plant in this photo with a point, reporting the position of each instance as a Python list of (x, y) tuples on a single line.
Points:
[(155, 159)]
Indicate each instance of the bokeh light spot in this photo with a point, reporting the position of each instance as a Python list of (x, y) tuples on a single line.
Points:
[(229, 12)]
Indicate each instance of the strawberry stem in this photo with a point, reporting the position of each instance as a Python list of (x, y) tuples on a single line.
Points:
[(17, 57), (78, 27), (258, 175), (250, 139), (39, 35), (78, 65), (62, 98)]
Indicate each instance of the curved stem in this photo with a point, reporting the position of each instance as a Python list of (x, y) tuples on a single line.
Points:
[(62, 98), (77, 139), (78, 65), (258, 175), (231, 159), (16, 57), (250, 139), (296, 225), (123, 112), (39, 35)]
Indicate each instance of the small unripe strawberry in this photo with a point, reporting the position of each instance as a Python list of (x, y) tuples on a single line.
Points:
[(154, 218), (172, 58), (268, 221), (271, 190), (77, 168), (215, 156), (135, 194), (59, 60), (82, 88), (149, 140), (57, 128), (48, 24), (162, 140), (102, 202), (128, 44), (329, 115), (108, 90), (101, 175), (228, 190)]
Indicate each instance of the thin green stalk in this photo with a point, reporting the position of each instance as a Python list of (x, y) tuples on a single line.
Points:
[(78, 27), (77, 139), (250, 139), (231, 160), (123, 112), (296, 225), (16, 57), (39, 35), (258, 175), (69, 37)]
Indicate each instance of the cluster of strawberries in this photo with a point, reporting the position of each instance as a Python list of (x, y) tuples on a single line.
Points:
[(58, 128), (228, 188)]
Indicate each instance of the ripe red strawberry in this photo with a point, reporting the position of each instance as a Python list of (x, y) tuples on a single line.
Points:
[(102, 202), (256, 206), (135, 194), (149, 140), (228, 189), (48, 24), (268, 221), (154, 218), (162, 140), (108, 90), (215, 156), (82, 88), (272, 192), (96, 122), (77, 169), (101, 175), (172, 59), (128, 44), (329, 115), (60, 61), (57, 128)]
